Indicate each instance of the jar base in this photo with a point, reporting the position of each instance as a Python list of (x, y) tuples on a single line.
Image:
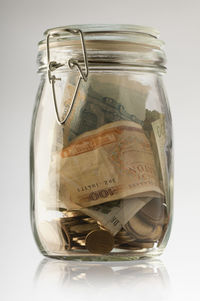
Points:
[(113, 256)]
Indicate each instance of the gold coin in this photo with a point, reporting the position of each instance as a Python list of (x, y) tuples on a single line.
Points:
[(80, 242), (75, 213), (90, 220), (135, 246), (83, 228), (66, 236), (142, 245), (99, 242)]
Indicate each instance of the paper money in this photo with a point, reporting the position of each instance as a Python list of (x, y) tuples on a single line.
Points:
[(105, 159), (107, 164), (160, 138), (114, 215), (127, 91), (139, 229), (103, 99), (98, 102), (94, 113)]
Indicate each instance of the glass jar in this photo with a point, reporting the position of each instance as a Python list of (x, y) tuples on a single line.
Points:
[(101, 144)]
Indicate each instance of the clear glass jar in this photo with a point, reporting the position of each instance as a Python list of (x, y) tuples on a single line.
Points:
[(101, 145)]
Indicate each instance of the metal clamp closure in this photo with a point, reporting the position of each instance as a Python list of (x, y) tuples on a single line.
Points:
[(72, 63)]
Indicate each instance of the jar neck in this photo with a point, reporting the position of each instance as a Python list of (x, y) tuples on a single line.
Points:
[(105, 46), (144, 59)]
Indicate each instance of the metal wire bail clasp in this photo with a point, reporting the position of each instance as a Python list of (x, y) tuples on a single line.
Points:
[(72, 63)]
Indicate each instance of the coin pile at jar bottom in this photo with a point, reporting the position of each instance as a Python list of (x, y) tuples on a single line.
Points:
[(144, 230)]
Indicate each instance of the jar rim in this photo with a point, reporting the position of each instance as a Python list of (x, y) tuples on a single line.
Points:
[(98, 28), (123, 44), (106, 32)]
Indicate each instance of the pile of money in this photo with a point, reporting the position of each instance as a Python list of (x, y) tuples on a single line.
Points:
[(108, 169)]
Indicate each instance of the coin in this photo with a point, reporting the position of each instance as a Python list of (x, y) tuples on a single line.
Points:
[(90, 220), (74, 213), (142, 245), (78, 247), (123, 236), (66, 236), (99, 242), (83, 228), (136, 245), (73, 220), (80, 242)]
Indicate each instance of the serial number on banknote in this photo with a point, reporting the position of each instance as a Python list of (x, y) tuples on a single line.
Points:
[(149, 182), (96, 185)]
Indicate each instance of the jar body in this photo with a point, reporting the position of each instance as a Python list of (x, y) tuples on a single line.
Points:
[(101, 183)]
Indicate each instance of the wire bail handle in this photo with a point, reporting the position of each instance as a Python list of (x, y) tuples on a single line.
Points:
[(72, 63)]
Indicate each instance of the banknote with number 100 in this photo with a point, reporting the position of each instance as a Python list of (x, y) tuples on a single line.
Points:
[(113, 162)]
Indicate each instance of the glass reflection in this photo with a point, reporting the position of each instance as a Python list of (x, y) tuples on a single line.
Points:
[(142, 278)]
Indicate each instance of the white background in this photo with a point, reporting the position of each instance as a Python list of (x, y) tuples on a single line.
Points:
[(22, 26)]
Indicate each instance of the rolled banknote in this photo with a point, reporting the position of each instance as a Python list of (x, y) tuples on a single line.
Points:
[(139, 229), (160, 138), (154, 127), (110, 163), (114, 215)]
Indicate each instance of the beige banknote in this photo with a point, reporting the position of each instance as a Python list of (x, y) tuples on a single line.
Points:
[(110, 163)]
